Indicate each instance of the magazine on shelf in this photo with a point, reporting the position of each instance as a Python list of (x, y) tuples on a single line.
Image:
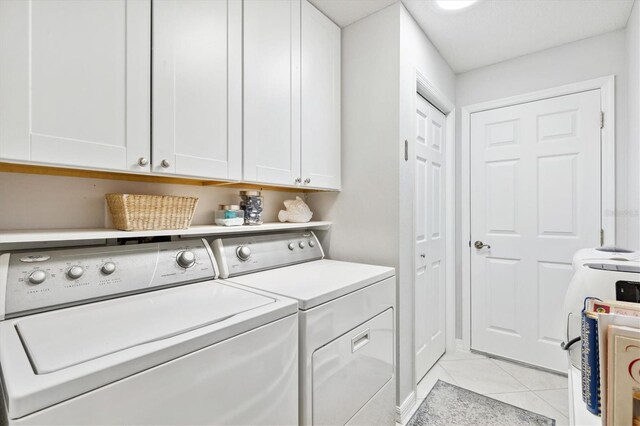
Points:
[(597, 315), (604, 321), (623, 376), (590, 362)]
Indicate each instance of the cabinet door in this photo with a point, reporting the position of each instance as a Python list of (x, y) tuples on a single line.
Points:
[(197, 88), (320, 100), (74, 82), (272, 91)]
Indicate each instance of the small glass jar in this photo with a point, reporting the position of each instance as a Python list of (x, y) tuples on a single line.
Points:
[(229, 215), (252, 205)]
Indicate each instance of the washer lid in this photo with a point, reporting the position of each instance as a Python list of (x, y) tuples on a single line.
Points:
[(69, 337)]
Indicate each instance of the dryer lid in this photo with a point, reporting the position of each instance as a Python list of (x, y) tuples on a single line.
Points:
[(68, 337), (317, 282)]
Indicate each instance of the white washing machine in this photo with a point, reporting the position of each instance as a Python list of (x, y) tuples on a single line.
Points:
[(606, 253), (605, 273), (142, 335), (346, 316)]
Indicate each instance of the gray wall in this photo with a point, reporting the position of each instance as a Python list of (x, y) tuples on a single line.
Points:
[(37, 201)]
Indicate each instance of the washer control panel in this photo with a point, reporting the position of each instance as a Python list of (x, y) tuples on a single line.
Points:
[(44, 280), (253, 253)]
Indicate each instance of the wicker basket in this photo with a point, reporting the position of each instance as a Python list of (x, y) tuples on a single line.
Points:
[(132, 212)]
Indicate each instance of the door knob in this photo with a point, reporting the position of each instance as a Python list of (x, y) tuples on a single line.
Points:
[(165, 163), (479, 244), (142, 161)]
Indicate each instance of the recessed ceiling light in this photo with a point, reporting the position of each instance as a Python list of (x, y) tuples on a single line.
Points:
[(454, 4)]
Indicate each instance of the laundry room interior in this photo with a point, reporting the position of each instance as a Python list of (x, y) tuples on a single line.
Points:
[(320, 212)]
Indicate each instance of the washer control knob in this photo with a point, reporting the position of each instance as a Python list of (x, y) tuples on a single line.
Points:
[(75, 272), (312, 243), (186, 259), (301, 244), (37, 277), (108, 268), (243, 252), (291, 246)]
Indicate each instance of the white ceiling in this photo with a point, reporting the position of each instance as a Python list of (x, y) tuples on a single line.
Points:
[(345, 12), (492, 31)]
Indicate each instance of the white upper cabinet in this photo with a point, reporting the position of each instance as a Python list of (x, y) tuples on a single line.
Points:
[(75, 82), (197, 88), (272, 91), (291, 95), (242, 89), (320, 100)]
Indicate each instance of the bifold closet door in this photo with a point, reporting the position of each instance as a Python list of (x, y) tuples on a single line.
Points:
[(429, 213), (197, 88), (535, 200), (74, 82)]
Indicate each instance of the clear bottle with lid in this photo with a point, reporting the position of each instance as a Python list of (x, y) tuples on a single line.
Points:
[(252, 203), (229, 215)]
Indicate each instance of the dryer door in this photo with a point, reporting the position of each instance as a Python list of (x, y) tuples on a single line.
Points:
[(351, 369)]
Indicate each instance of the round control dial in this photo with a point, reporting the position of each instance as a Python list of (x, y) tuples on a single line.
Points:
[(108, 268), (291, 246), (186, 259), (301, 244), (75, 272), (243, 252), (37, 277), (311, 243)]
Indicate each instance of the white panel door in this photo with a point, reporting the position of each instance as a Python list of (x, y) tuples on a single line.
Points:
[(75, 82), (429, 281), (320, 100), (535, 200), (197, 88), (272, 91)]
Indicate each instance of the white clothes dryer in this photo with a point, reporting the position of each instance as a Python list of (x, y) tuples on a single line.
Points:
[(346, 315)]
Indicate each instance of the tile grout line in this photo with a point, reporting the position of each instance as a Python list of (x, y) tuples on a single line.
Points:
[(536, 393), (520, 381), (527, 387), (514, 377)]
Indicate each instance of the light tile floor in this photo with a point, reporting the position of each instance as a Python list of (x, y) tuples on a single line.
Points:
[(528, 388)]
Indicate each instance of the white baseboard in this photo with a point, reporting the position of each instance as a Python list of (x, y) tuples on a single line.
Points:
[(404, 410)]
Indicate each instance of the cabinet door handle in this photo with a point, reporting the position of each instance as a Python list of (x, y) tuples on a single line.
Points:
[(165, 164), (307, 181), (298, 180), (142, 161)]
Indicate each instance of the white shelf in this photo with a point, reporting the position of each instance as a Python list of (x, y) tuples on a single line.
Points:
[(41, 235)]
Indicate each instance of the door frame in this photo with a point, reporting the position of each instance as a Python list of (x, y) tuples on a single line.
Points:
[(607, 95), (425, 88)]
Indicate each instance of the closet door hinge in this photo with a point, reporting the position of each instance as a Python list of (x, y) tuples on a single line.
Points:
[(601, 237), (602, 119), (406, 150)]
